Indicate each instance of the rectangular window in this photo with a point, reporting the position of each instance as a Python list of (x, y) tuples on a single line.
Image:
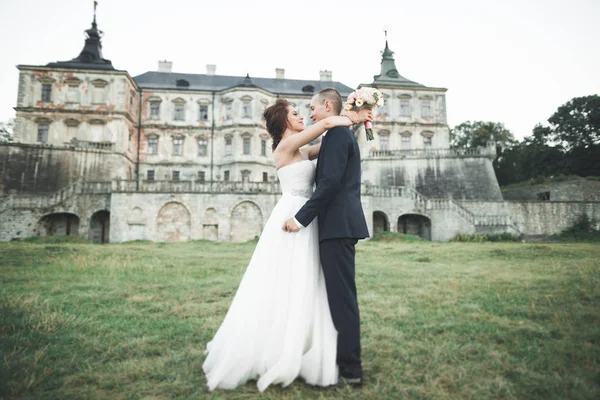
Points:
[(228, 146), (201, 176), (150, 175), (175, 175), (202, 147), (203, 113), (179, 112), (404, 108), (153, 145), (383, 109), (43, 133), (228, 111), (265, 177), (384, 142), (245, 176), (73, 94), (247, 109), (98, 95), (426, 109), (154, 110), (263, 147), (47, 92), (178, 146), (226, 176), (246, 145), (405, 142), (427, 142)]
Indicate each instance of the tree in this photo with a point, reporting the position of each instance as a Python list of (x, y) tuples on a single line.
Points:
[(577, 123), (479, 133), (6, 131)]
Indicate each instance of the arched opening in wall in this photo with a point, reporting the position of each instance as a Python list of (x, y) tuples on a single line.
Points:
[(100, 227), (58, 224), (246, 222), (380, 222), (173, 223), (415, 224)]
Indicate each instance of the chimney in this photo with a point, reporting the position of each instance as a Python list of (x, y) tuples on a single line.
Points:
[(279, 73), (165, 66), (326, 76), (211, 69)]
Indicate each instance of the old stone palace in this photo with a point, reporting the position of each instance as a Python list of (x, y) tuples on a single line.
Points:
[(170, 156)]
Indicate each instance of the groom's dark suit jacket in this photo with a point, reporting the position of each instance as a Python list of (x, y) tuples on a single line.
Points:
[(336, 199)]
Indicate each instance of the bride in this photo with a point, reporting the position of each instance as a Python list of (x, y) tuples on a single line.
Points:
[(278, 326)]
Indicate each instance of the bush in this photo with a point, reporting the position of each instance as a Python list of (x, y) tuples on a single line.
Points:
[(583, 229), (481, 237), (55, 239), (395, 237)]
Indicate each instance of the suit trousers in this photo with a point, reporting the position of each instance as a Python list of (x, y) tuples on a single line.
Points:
[(337, 261)]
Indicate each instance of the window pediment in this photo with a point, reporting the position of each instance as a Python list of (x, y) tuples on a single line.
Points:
[(264, 101), (405, 96), (264, 136), (427, 134), (97, 121), (72, 122), (152, 135), (246, 98), (226, 100), (201, 136), (99, 83), (43, 120), (383, 132), (246, 135), (178, 100), (204, 102), (73, 81), (426, 97), (154, 99), (47, 79), (405, 133)]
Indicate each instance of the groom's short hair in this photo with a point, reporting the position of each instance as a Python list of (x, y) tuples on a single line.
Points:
[(333, 96)]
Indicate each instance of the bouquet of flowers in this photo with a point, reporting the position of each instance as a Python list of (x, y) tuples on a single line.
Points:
[(365, 97)]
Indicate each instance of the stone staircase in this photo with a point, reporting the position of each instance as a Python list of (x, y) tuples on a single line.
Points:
[(49, 200)]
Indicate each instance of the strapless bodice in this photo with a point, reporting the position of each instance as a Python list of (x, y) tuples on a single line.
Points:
[(297, 179)]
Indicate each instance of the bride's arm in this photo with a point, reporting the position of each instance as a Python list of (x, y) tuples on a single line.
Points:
[(294, 142), (311, 152)]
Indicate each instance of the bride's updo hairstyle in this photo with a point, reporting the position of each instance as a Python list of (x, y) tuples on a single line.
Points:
[(277, 120)]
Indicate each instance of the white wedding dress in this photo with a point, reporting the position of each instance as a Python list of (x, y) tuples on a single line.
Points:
[(278, 326)]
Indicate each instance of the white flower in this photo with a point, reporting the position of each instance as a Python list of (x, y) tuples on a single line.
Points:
[(348, 107), (359, 102), (380, 102)]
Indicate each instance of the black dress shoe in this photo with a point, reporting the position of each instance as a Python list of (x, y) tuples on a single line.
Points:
[(355, 383)]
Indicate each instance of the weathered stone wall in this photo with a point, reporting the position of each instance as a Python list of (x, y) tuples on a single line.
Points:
[(189, 216), (45, 168), (29, 215), (459, 178), (548, 218), (578, 190)]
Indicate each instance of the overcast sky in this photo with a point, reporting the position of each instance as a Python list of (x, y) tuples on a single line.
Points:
[(512, 61)]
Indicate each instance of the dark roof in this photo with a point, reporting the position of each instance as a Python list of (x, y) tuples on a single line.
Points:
[(168, 80), (91, 55)]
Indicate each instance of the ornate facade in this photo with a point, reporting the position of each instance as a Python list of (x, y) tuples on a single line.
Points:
[(170, 156)]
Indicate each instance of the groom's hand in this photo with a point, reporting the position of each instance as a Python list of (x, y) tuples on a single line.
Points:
[(290, 226)]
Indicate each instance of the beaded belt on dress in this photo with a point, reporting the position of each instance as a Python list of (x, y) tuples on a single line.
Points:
[(307, 192)]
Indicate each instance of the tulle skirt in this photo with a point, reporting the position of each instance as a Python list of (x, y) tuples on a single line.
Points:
[(278, 326)]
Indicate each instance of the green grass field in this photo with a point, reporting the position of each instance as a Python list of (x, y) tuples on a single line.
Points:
[(440, 320)]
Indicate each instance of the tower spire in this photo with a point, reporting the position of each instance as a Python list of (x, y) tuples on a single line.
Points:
[(389, 74), (91, 55)]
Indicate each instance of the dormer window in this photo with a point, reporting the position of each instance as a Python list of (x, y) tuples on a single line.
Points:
[(182, 83), (308, 89)]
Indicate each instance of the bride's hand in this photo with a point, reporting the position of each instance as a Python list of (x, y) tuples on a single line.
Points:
[(365, 115)]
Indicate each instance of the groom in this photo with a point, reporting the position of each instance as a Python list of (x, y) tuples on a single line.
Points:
[(336, 201)]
